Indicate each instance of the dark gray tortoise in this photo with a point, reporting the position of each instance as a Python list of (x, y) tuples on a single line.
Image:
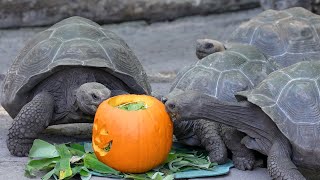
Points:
[(62, 75), (220, 75), (288, 36), (281, 117)]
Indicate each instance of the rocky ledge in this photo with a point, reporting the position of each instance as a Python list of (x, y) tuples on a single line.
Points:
[(19, 13)]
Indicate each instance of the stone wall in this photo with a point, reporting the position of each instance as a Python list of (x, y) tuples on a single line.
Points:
[(19, 13)]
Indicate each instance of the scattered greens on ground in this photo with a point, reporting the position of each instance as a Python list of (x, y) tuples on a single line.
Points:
[(133, 106), (64, 161)]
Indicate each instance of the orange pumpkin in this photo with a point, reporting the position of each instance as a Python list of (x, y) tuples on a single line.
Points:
[(132, 141)]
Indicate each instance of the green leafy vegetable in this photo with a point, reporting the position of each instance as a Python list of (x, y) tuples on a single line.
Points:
[(63, 168), (67, 160), (133, 106), (48, 175), (91, 162), (42, 149), (41, 164)]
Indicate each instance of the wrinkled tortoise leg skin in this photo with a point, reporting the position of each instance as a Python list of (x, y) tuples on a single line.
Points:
[(208, 133), (32, 119), (242, 157), (280, 165)]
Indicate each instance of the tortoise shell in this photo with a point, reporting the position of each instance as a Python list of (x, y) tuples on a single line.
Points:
[(72, 42), (288, 36), (222, 74), (291, 98)]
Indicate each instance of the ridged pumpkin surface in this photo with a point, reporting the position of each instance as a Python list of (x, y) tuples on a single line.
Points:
[(132, 141)]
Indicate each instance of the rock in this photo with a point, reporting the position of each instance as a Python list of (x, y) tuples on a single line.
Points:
[(18, 13)]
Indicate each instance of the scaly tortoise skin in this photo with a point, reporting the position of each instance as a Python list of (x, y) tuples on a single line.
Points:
[(63, 74), (220, 75)]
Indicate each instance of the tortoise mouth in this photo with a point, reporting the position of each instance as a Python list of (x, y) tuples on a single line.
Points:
[(201, 54), (174, 116), (89, 109)]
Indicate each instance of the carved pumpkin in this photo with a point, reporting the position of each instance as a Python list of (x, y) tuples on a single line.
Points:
[(132, 141)]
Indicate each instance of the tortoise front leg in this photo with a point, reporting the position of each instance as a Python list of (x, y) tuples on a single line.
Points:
[(280, 165), (32, 119), (208, 133), (243, 158)]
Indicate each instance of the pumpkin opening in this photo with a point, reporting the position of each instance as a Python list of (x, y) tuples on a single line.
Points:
[(130, 103), (108, 147), (133, 106)]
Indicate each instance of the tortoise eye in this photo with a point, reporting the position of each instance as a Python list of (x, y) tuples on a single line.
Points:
[(171, 106), (208, 45), (94, 96)]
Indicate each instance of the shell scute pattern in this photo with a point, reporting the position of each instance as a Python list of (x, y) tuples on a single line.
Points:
[(204, 81), (197, 78), (269, 16), (244, 33), (245, 51), (81, 50), (282, 35), (39, 57), (74, 41), (119, 55), (74, 20), (180, 77), (256, 70), (223, 74), (300, 12), (81, 31), (12, 75), (299, 36), (300, 101), (112, 37), (231, 82), (224, 61), (296, 99), (268, 39)]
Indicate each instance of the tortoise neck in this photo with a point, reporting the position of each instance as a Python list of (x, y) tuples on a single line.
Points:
[(244, 116)]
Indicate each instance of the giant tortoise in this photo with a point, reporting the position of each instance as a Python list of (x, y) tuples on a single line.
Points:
[(220, 75), (288, 36), (281, 118), (62, 75)]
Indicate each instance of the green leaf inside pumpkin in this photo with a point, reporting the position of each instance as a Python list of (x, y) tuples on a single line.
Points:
[(133, 106)]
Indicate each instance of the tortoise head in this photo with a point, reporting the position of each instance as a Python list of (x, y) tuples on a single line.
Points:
[(90, 95), (185, 106), (206, 47)]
